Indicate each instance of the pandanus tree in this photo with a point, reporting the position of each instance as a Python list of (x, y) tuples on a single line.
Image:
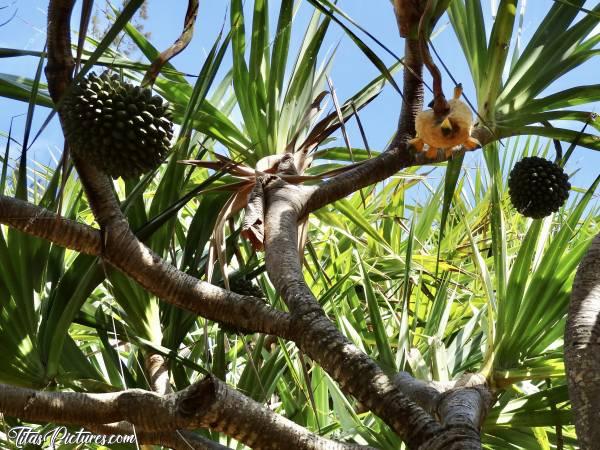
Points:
[(263, 287)]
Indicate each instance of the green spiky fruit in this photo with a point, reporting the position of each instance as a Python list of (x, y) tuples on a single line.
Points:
[(537, 187), (240, 285), (245, 287), (121, 129)]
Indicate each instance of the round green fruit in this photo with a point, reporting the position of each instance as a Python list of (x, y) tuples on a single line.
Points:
[(537, 187), (120, 128)]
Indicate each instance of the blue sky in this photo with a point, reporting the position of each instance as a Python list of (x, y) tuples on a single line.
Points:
[(351, 70)]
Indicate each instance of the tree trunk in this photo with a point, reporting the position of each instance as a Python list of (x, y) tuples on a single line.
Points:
[(582, 348)]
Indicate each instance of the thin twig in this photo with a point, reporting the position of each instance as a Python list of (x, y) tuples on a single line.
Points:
[(180, 44)]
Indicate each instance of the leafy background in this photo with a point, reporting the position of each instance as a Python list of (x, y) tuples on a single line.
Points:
[(485, 294)]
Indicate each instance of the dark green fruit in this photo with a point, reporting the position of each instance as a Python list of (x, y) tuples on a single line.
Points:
[(537, 187), (240, 285), (123, 130)]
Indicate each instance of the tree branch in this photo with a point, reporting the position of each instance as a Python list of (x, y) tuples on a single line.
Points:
[(148, 269), (425, 394), (97, 185), (178, 46), (461, 412), (374, 170), (209, 403), (40, 222), (312, 330), (356, 373), (399, 155), (461, 409), (158, 373), (413, 93), (60, 59)]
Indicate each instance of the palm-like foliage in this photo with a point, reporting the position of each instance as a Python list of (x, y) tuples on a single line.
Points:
[(453, 283), (520, 103)]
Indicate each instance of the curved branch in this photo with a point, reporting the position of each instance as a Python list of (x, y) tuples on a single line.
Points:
[(121, 248), (60, 64), (425, 394), (356, 373), (257, 426), (178, 46), (148, 269), (412, 88), (158, 373), (40, 222), (377, 169), (374, 170), (209, 403), (398, 154), (97, 186), (461, 411)]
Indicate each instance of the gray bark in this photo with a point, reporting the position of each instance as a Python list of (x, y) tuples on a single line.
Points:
[(148, 269), (208, 403), (582, 348)]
